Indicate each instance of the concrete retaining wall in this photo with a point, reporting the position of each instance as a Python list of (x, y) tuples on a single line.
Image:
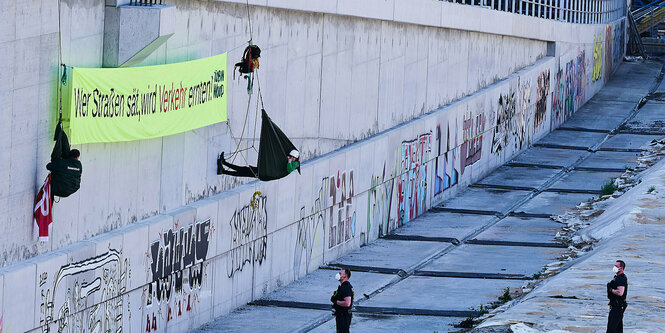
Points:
[(201, 254), (327, 80)]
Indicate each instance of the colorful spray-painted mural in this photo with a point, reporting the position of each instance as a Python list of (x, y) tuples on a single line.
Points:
[(381, 203), (608, 52), (412, 186), (570, 88), (542, 92), (618, 42), (598, 58)]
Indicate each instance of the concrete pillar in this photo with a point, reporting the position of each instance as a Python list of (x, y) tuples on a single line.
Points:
[(132, 33)]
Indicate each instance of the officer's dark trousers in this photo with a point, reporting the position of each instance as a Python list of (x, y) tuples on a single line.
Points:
[(615, 320), (343, 321)]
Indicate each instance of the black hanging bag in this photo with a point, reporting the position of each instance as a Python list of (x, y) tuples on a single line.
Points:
[(65, 170)]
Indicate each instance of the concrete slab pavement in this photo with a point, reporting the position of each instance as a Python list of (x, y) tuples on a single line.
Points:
[(548, 157), (252, 318), (518, 177), (443, 224), (635, 75), (601, 107), (590, 122), (628, 142), (570, 139), (389, 255), (650, 120), (552, 203), (379, 323), (609, 161), (583, 181), (617, 93), (487, 200), (435, 293), (511, 262), (522, 229), (631, 229), (317, 287)]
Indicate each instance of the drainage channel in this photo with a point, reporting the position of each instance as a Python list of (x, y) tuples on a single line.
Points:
[(495, 216), (417, 270)]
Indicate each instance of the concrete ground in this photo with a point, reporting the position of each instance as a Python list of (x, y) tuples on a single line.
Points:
[(497, 236), (632, 229)]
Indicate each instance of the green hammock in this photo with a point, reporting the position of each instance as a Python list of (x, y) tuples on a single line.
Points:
[(274, 148)]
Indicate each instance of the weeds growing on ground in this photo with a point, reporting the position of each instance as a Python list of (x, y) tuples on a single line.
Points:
[(537, 276), (470, 320), (466, 323), (506, 296), (608, 188), (651, 189)]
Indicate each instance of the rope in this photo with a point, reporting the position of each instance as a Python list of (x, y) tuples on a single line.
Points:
[(249, 100), (242, 134), (249, 20), (256, 118), (258, 84), (64, 69), (250, 78)]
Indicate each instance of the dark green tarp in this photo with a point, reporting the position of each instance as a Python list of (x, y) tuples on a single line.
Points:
[(274, 147)]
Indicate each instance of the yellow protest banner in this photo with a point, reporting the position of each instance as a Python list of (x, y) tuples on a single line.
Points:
[(125, 104)]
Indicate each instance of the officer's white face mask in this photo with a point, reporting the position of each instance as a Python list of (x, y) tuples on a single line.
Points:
[(614, 269), (337, 276)]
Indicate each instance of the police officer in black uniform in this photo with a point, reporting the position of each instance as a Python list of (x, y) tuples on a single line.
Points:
[(617, 290), (342, 300)]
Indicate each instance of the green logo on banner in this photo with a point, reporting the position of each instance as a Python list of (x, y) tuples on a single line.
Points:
[(125, 104)]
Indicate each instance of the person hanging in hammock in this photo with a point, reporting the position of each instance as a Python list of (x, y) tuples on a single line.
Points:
[(273, 161), (251, 171)]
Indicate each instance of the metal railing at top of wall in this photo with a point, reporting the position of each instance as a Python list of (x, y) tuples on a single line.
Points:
[(145, 2), (648, 9), (572, 11)]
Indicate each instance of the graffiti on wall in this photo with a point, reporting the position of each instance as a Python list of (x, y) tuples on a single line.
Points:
[(608, 52), (399, 194), (570, 88), (342, 213), (523, 117), (542, 90), (505, 112), (412, 184), (177, 266), (249, 236), (580, 79), (380, 202), (445, 172), (333, 209), (618, 41), (309, 240), (472, 147), (68, 292), (598, 58)]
